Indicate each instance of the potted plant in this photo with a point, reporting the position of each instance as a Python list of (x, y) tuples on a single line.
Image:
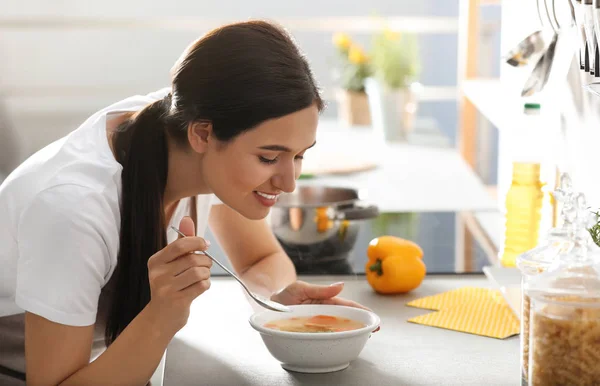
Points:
[(391, 92), (353, 104)]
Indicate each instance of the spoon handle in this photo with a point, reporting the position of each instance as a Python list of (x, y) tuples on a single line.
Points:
[(224, 268), (180, 233), (259, 299)]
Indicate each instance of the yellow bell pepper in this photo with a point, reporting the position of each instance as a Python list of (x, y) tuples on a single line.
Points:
[(395, 265)]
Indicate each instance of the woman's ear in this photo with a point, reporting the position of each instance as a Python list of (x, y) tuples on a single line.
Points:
[(198, 135)]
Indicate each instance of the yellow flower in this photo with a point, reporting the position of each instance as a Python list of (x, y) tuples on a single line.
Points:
[(356, 55), (342, 41), (391, 35)]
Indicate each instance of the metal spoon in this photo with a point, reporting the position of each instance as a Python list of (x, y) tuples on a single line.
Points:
[(539, 76), (572, 8), (266, 303), (541, 72), (590, 34), (577, 20), (528, 47)]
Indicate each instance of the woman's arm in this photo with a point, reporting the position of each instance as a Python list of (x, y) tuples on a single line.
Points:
[(57, 354), (256, 254), (253, 250)]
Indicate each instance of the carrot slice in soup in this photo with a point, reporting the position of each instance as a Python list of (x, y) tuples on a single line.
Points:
[(323, 319)]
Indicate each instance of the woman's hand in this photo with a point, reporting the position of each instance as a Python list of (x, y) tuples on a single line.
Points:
[(301, 292), (177, 277), (304, 293)]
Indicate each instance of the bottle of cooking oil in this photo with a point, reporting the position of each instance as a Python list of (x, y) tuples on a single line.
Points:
[(525, 196)]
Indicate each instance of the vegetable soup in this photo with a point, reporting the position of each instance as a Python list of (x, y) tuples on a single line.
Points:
[(317, 323)]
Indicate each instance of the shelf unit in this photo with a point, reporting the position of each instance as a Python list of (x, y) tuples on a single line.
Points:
[(485, 96), (493, 100), (475, 94), (499, 100)]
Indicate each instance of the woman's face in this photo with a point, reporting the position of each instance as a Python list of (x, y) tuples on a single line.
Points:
[(250, 172)]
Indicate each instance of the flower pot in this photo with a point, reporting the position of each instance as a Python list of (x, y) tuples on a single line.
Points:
[(411, 106), (389, 115), (353, 108)]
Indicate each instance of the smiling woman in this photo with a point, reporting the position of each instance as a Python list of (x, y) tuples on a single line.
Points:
[(84, 248)]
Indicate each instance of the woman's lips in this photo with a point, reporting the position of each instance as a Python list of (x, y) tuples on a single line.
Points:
[(266, 199)]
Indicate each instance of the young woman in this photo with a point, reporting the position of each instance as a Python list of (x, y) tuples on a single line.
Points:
[(86, 254)]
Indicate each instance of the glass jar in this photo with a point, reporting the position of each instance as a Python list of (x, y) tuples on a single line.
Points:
[(537, 260), (532, 263), (564, 328)]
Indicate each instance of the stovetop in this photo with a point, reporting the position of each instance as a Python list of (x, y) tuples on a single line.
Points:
[(436, 233)]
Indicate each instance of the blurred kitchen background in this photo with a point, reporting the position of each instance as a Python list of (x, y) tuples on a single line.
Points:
[(440, 180), (62, 60)]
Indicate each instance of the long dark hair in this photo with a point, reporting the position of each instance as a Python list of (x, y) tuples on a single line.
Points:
[(235, 77)]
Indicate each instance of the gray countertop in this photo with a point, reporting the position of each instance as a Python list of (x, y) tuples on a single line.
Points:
[(218, 346)]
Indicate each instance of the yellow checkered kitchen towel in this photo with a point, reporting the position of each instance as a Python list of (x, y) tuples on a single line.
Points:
[(472, 310), (449, 299)]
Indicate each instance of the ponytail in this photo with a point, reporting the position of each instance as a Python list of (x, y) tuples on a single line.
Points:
[(141, 148)]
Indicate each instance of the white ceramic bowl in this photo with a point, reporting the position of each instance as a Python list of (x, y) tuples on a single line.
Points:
[(315, 352)]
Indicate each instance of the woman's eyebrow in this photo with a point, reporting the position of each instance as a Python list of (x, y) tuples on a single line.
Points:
[(281, 147)]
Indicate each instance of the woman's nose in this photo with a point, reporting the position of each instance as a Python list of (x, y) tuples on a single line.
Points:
[(285, 179)]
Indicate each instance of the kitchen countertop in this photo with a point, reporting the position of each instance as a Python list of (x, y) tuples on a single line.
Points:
[(218, 346)]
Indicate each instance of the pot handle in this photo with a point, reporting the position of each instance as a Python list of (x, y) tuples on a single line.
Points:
[(358, 212)]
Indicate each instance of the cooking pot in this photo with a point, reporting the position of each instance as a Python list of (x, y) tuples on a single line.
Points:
[(317, 224)]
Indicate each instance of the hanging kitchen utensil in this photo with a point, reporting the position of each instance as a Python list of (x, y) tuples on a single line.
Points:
[(572, 8), (526, 49), (529, 47), (577, 9), (588, 23), (539, 76), (596, 16), (594, 87), (597, 57)]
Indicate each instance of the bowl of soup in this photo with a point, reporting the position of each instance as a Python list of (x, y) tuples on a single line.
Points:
[(315, 338)]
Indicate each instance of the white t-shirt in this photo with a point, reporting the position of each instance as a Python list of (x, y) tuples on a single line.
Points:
[(60, 221)]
